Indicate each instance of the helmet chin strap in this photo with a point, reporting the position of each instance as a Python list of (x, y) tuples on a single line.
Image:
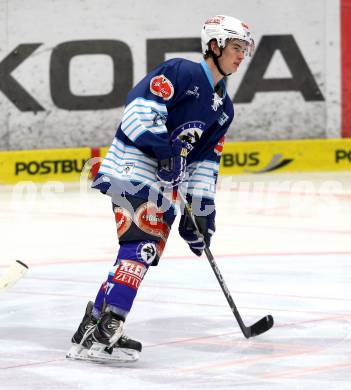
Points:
[(215, 60)]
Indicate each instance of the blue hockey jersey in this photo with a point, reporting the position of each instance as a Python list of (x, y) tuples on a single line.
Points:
[(176, 99)]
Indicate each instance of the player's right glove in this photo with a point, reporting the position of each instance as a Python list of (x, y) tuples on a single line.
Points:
[(172, 172), (206, 225)]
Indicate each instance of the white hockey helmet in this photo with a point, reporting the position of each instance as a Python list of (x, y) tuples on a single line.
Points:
[(221, 28)]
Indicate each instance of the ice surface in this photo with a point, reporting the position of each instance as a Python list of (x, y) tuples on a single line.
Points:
[(281, 252)]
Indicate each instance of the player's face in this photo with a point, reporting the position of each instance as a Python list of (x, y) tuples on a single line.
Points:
[(232, 55)]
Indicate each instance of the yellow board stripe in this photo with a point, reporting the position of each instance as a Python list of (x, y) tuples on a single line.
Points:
[(286, 156), (42, 165), (237, 158)]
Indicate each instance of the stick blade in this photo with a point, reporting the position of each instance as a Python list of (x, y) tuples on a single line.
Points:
[(22, 264), (15, 272), (261, 326)]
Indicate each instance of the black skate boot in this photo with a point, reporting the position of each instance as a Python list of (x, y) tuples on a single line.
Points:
[(84, 332), (109, 343), (109, 329), (128, 343)]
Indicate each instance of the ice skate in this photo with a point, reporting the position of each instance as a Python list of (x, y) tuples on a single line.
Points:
[(109, 343), (82, 339)]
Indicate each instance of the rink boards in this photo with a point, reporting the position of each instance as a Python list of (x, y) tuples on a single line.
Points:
[(237, 158)]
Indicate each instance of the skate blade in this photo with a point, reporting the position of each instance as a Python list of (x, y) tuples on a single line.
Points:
[(97, 354), (77, 352)]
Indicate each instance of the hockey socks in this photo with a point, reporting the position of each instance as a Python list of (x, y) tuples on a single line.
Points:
[(120, 289)]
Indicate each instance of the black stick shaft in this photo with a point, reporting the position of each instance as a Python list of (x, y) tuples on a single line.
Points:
[(226, 292), (246, 331)]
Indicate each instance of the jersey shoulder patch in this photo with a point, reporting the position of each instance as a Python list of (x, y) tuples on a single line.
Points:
[(161, 86)]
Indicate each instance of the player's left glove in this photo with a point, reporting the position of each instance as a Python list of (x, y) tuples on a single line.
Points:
[(207, 227), (172, 172)]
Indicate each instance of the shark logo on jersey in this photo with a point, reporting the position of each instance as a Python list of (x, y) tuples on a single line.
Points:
[(147, 252), (190, 131), (159, 119)]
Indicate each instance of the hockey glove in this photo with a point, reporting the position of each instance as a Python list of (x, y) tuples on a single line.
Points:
[(188, 232), (172, 172)]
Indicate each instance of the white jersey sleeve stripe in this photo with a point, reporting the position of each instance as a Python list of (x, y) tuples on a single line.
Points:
[(117, 170), (138, 163), (146, 103), (141, 116), (203, 175), (202, 178), (121, 147), (127, 156), (138, 178)]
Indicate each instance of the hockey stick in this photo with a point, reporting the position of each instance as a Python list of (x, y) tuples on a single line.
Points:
[(258, 327), (16, 271)]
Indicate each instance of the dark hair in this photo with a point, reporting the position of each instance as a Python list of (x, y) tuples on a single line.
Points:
[(209, 52)]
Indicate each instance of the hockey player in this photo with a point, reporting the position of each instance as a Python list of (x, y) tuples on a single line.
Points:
[(171, 136)]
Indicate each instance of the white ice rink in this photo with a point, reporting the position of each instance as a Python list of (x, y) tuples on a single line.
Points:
[(281, 251)]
